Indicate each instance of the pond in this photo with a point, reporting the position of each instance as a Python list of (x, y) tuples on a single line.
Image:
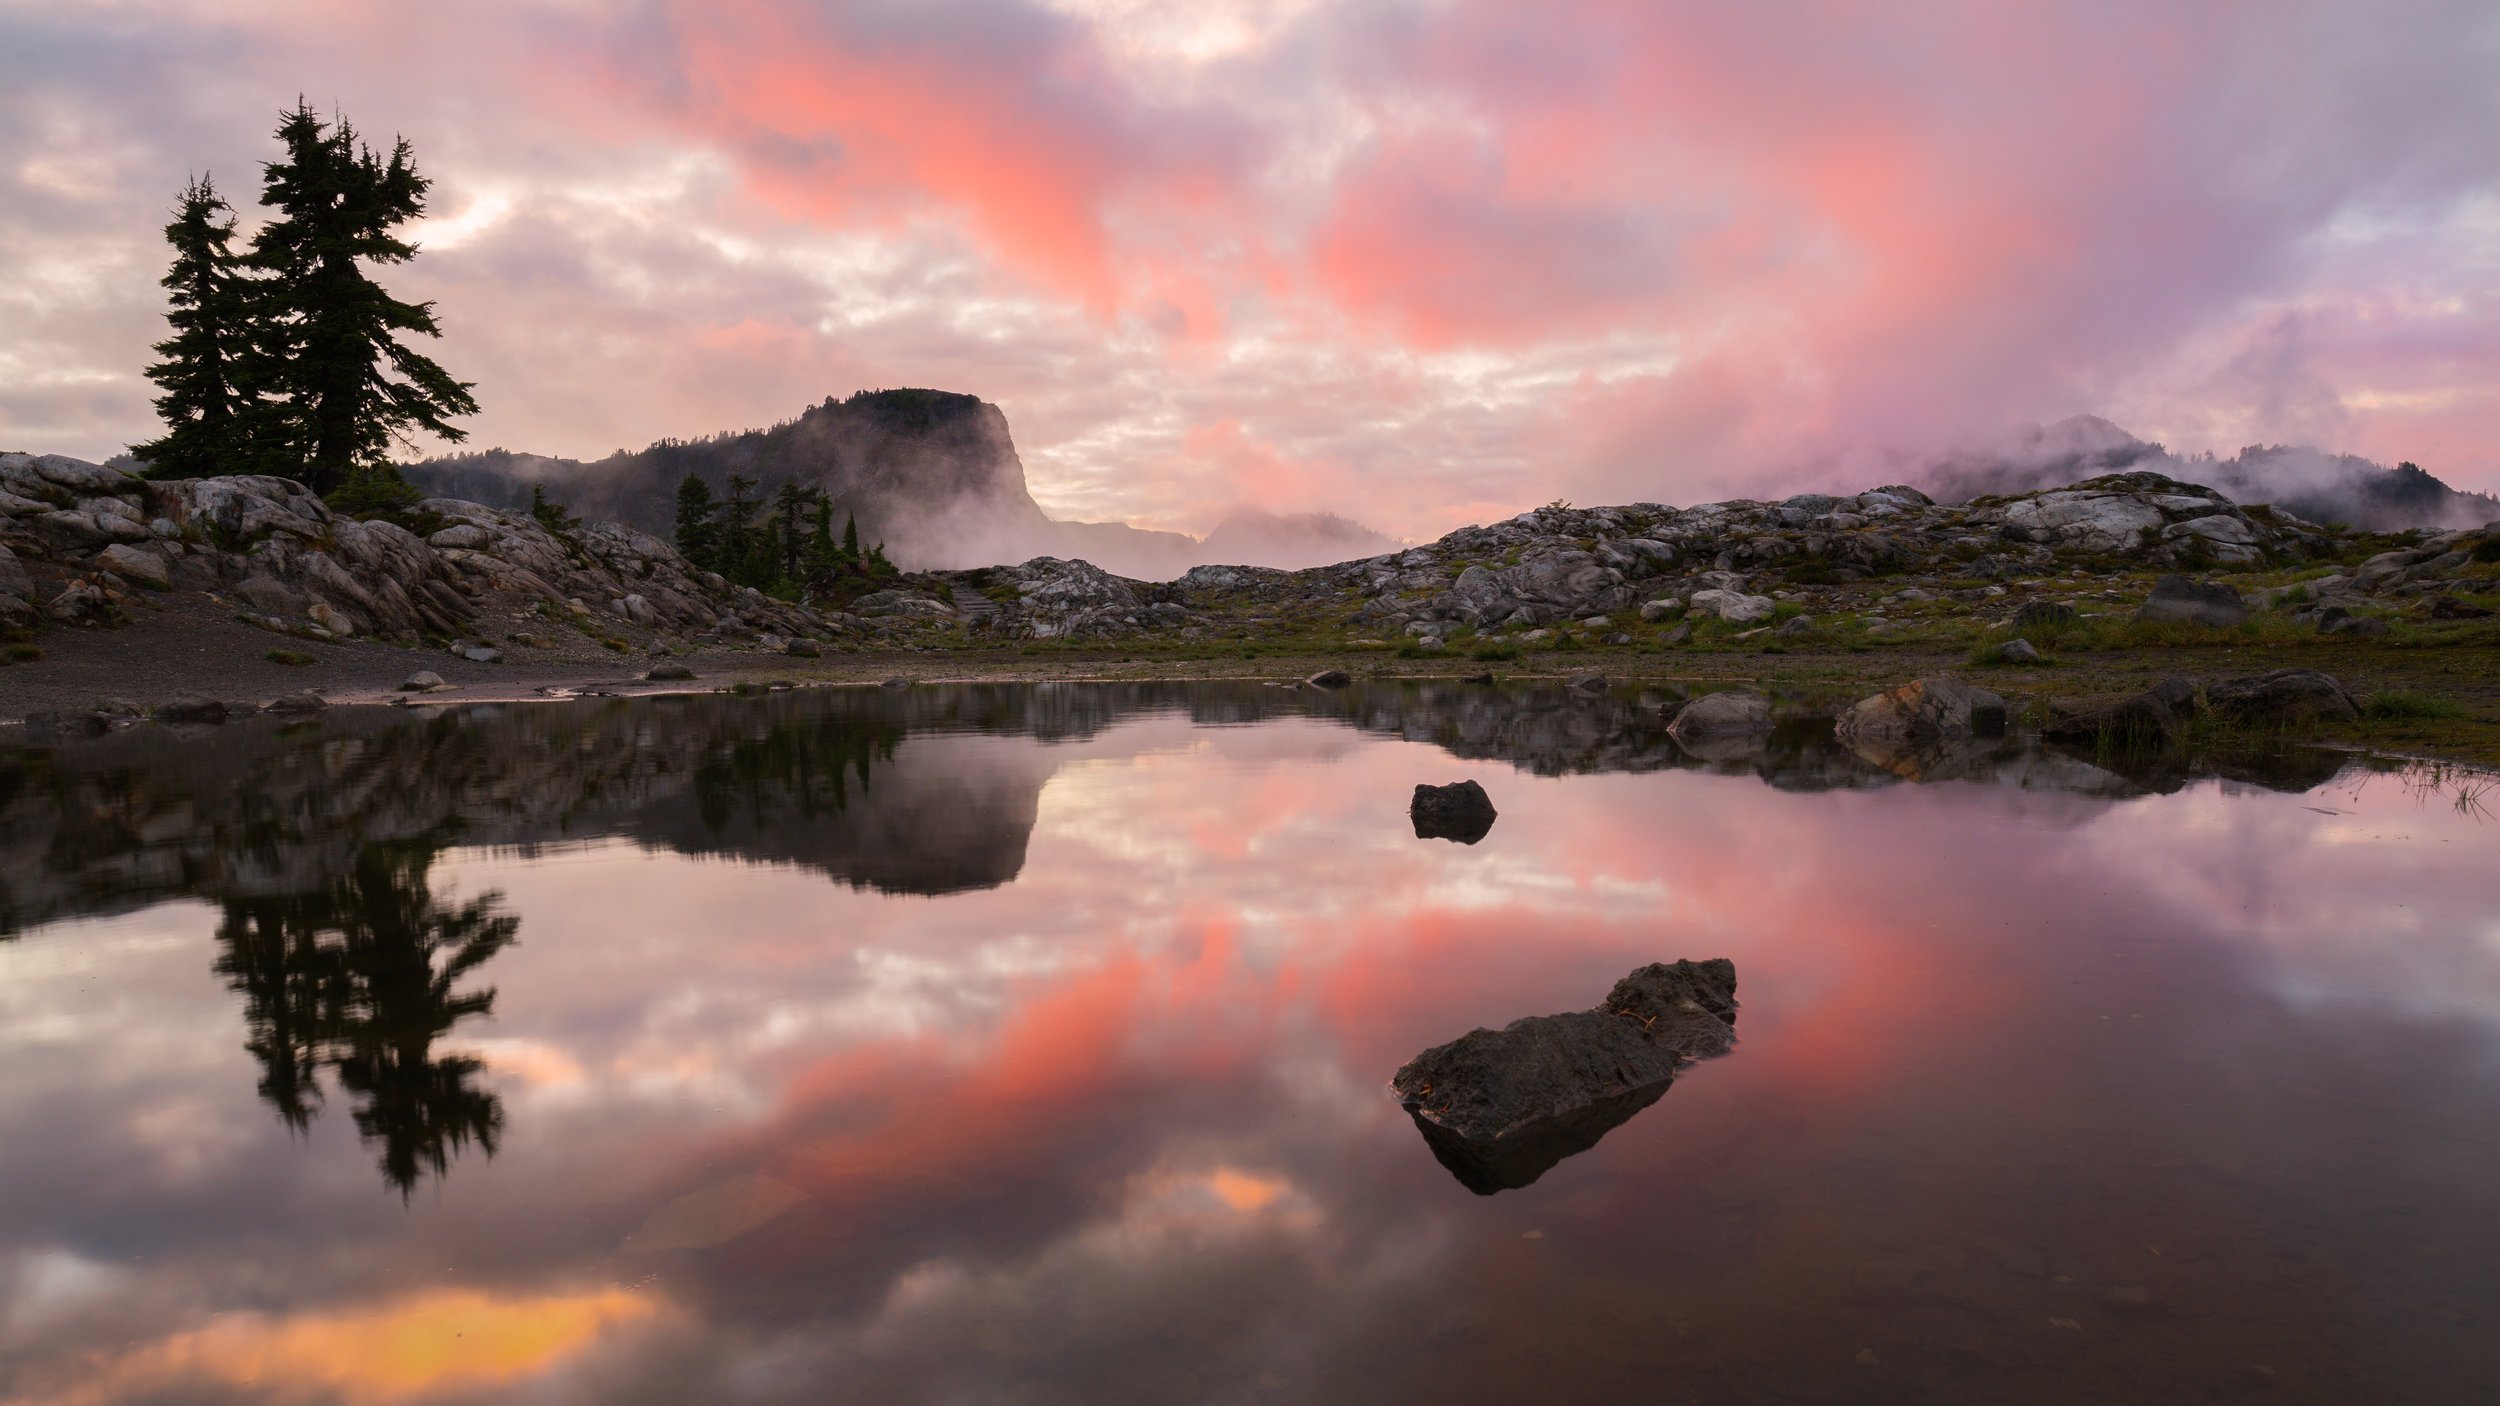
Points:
[(1032, 1044)]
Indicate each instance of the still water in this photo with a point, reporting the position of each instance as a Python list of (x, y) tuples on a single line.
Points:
[(1029, 1044)]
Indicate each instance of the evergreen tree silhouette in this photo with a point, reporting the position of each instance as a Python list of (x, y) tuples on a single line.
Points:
[(207, 372), (361, 978), (344, 386)]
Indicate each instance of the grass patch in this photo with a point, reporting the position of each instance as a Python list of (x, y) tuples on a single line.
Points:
[(24, 653), (2396, 703), (1489, 653), (295, 658)]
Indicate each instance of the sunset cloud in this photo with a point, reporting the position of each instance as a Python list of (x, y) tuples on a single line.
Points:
[(1417, 262)]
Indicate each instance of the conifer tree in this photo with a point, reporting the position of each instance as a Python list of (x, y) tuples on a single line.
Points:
[(822, 554), (551, 515), (206, 374), (346, 386), (698, 525), (742, 548), (789, 527), (850, 540)]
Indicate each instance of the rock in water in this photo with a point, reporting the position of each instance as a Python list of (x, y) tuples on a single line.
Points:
[(1928, 708), (191, 708), (1728, 714), (2151, 718), (2196, 602), (1460, 811), (1330, 678), (1500, 1108)]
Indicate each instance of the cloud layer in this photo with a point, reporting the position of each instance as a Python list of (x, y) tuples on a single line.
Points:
[(1417, 261)]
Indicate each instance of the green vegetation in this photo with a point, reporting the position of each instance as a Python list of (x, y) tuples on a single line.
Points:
[(295, 658), (24, 653), (2401, 703), (288, 359)]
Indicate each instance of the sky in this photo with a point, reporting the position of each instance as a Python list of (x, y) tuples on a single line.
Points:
[(1421, 262)]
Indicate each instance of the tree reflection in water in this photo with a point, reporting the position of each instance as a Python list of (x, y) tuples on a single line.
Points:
[(360, 977)]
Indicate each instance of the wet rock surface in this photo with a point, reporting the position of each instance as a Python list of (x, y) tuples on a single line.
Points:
[(1500, 1108)]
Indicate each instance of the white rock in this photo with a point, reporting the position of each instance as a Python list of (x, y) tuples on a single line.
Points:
[(132, 564)]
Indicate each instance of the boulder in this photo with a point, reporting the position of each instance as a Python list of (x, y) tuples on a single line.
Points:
[(1590, 682), (803, 649), (2151, 718), (669, 673), (1330, 678), (1499, 1108), (2017, 651), (2281, 698), (298, 703), (191, 708), (895, 683), (2208, 603), (133, 564), (2034, 613), (269, 595), (421, 681), (1735, 607), (1927, 708), (1654, 611), (80, 600), (1460, 811), (1730, 714), (481, 654)]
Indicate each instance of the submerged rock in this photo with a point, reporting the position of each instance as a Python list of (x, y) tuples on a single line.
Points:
[(1330, 678), (1501, 1107), (1460, 811)]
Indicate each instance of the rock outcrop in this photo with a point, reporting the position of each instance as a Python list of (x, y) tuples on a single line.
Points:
[(100, 538), (1500, 1107)]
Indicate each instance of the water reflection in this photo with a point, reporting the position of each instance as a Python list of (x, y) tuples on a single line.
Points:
[(361, 978), (1044, 1065)]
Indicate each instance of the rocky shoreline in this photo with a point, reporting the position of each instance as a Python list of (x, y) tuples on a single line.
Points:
[(127, 593)]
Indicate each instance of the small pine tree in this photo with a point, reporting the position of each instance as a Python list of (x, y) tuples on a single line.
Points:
[(346, 386), (208, 403), (698, 524), (850, 539), (551, 515)]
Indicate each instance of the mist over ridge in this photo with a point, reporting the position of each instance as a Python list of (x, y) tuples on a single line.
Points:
[(932, 474), (936, 477)]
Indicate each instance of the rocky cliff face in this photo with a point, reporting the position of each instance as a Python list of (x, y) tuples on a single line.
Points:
[(932, 474)]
